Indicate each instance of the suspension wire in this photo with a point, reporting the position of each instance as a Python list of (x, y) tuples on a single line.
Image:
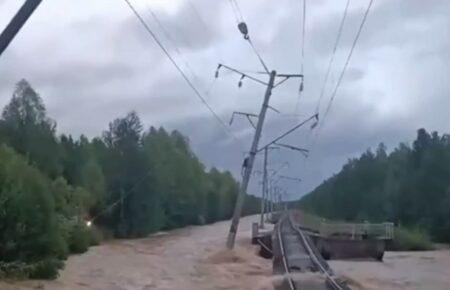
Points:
[(122, 198), (171, 40), (205, 26), (347, 61), (321, 124), (240, 19), (258, 55), (302, 60), (238, 10), (237, 15), (210, 87), (303, 36), (188, 81), (330, 63)]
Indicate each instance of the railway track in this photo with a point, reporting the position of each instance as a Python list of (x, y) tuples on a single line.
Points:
[(299, 255)]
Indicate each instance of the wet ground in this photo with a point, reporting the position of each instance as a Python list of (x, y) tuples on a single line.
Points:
[(399, 270), (192, 258)]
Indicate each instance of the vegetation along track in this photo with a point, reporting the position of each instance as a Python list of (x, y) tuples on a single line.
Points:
[(299, 255)]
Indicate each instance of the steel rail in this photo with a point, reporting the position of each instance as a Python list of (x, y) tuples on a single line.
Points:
[(335, 285), (283, 255)]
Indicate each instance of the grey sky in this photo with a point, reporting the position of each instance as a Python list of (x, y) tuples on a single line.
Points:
[(91, 61)]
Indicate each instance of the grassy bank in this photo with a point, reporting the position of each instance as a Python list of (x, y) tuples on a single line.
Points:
[(411, 239)]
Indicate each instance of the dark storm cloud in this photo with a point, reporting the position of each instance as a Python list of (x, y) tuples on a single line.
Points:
[(98, 63)]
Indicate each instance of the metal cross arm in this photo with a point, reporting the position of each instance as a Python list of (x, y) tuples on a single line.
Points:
[(285, 77), (290, 178), (301, 150), (248, 115), (271, 148), (274, 172), (243, 75), (313, 117)]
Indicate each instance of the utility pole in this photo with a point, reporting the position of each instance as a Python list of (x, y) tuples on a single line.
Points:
[(122, 228), (264, 188), (248, 163), (17, 22), (270, 197)]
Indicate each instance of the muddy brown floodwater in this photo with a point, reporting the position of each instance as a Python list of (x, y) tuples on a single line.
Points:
[(399, 270), (191, 258), (194, 258)]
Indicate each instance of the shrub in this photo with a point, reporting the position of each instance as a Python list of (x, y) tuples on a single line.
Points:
[(95, 236), (14, 270), (80, 238), (28, 223), (411, 240), (46, 269)]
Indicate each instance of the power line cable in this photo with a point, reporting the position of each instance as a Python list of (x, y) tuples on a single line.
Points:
[(205, 26), (244, 30), (330, 63), (303, 35), (341, 76), (167, 34), (258, 55), (122, 198), (314, 139), (238, 12), (190, 84), (302, 56), (235, 12), (171, 40)]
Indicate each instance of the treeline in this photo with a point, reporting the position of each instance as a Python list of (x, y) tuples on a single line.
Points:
[(410, 186), (129, 182)]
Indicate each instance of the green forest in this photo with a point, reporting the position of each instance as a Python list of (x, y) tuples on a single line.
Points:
[(409, 186), (57, 192)]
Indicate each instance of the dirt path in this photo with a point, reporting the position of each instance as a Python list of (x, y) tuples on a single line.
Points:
[(190, 258), (399, 270)]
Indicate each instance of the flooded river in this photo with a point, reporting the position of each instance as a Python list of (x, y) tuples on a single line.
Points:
[(191, 258), (399, 270), (194, 258)]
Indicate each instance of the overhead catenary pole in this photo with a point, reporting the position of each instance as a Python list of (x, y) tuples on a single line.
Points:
[(248, 164), (272, 189), (17, 22), (264, 188)]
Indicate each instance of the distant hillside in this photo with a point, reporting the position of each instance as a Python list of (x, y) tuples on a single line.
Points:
[(410, 186)]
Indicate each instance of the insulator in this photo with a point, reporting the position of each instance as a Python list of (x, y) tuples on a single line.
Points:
[(314, 125), (243, 29), (217, 71), (240, 81), (301, 87)]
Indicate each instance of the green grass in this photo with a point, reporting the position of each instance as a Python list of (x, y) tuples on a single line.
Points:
[(411, 239)]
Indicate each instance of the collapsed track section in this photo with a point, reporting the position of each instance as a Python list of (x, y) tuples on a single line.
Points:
[(295, 254)]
